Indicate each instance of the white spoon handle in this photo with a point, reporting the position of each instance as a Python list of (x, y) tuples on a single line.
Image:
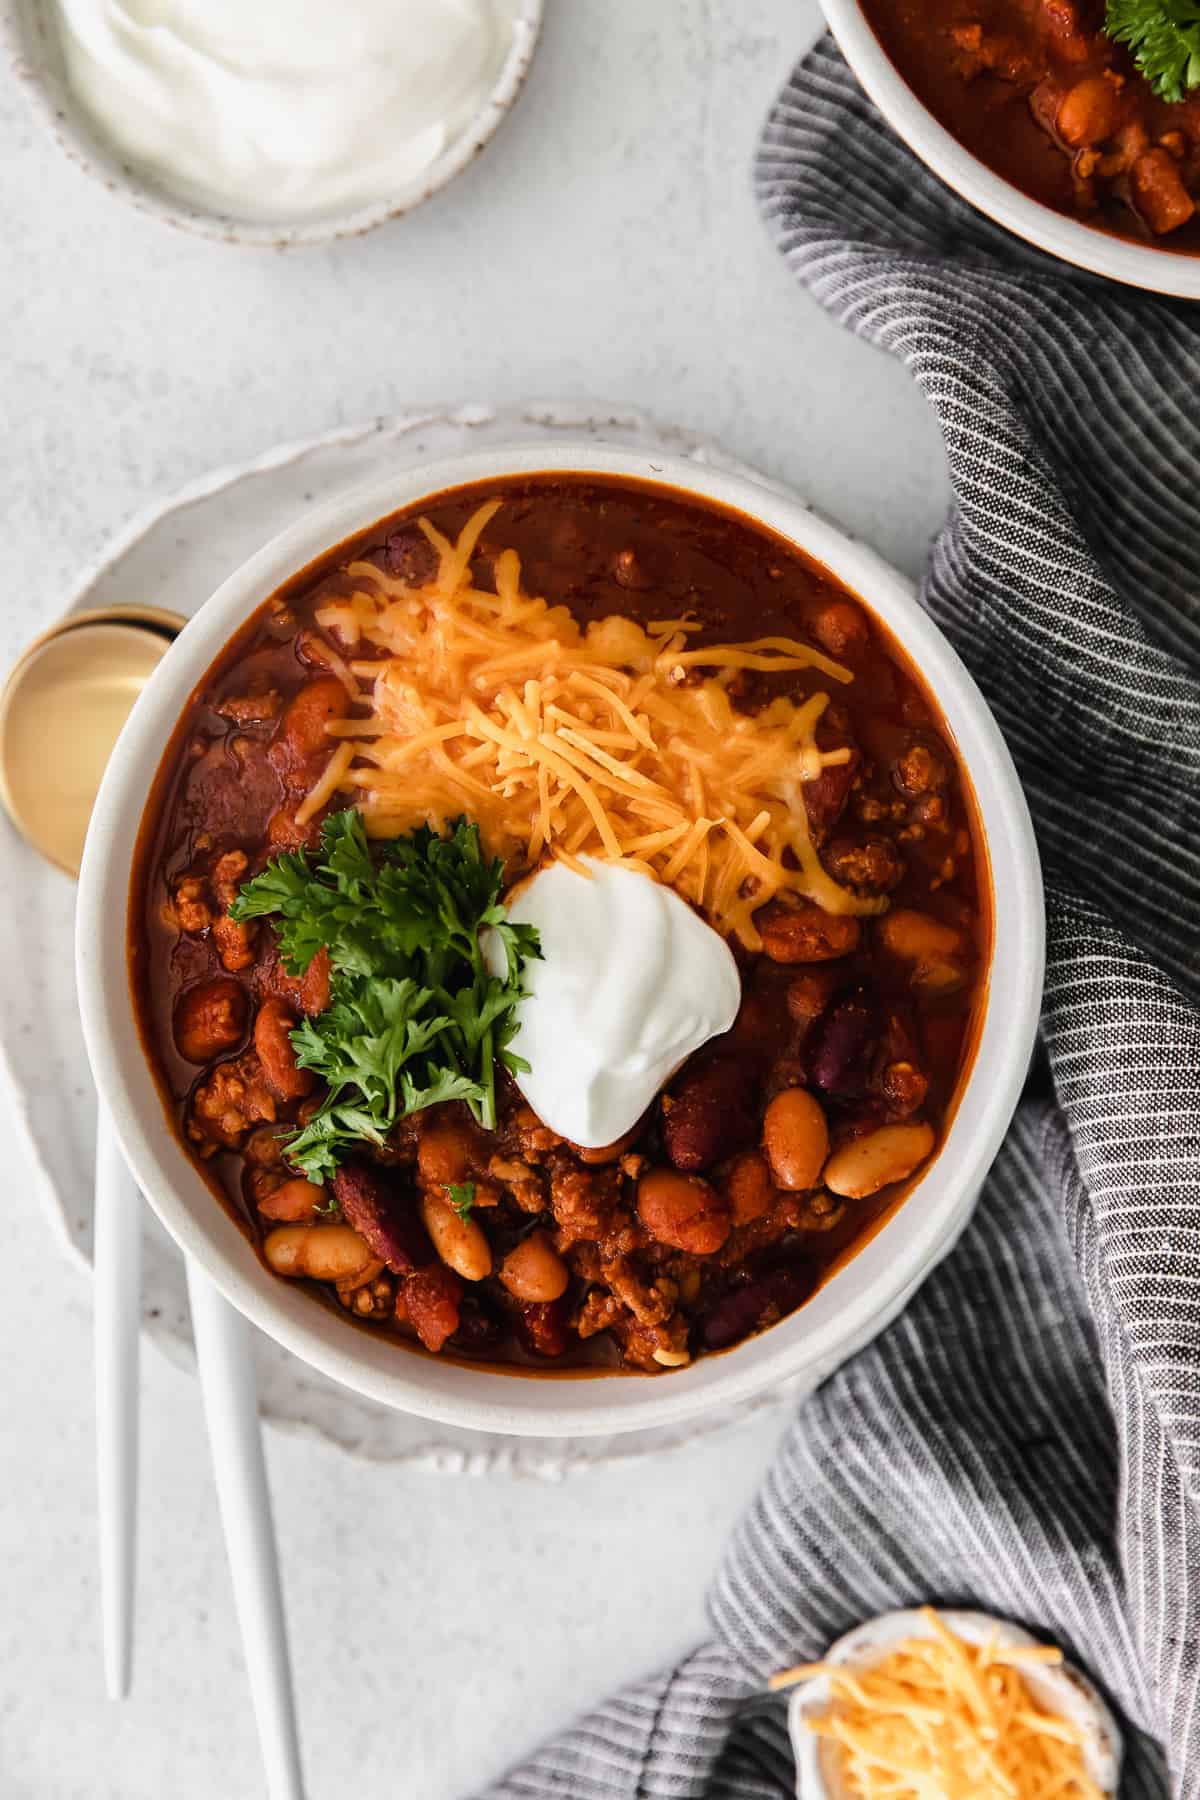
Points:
[(225, 1354), (117, 1253)]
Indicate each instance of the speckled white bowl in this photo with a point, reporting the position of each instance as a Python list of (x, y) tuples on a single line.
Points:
[(851, 1307), (1160, 271), (1060, 1689), (30, 36)]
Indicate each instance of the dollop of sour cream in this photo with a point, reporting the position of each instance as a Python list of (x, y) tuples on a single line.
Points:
[(283, 110), (630, 983)]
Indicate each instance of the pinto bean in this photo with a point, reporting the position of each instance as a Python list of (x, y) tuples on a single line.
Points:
[(756, 1305), (1089, 112), (459, 1242), (322, 1252), (806, 933), (445, 1151), (911, 934), (293, 1200), (318, 703), (210, 1018), (272, 1041), (841, 628), (748, 1187), (796, 1139), (1158, 193), (935, 950), (385, 1217), (606, 1153), (866, 1164), (430, 1300), (709, 1113), (684, 1211), (533, 1270)]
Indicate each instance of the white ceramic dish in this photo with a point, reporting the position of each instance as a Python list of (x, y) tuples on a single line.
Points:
[(1160, 271), (860, 1298), (29, 33), (1061, 1690)]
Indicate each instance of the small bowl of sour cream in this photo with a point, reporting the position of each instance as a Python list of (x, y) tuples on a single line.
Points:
[(274, 123)]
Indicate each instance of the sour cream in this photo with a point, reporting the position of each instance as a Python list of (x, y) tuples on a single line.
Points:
[(631, 982), (283, 110)]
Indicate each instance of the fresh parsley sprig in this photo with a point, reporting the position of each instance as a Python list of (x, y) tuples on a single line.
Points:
[(1164, 37), (415, 1016), (461, 1195)]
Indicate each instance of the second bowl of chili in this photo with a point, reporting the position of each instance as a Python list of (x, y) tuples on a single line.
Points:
[(1042, 121), (459, 1211)]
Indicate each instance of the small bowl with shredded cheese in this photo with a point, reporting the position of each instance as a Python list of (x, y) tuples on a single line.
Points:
[(929, 1705)]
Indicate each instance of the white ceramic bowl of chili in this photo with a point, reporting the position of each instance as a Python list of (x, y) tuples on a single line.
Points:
[(1148, 266), (857, 1301)]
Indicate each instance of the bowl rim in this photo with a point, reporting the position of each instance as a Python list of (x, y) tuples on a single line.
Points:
[(1154, 270), (26, 32), (476, 1397)]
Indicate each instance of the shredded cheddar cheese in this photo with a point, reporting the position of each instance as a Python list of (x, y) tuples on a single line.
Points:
[(562, 741), (938, 1718)]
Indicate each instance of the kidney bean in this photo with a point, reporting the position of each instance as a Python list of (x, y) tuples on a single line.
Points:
[(806, 933), (796, 1139), (430, 1300), (272, 1040), (748, 1187), (411, 556), (684, 1211), (759, 1303), (209, 1019), (826, 795), (546, 1326), (709, 1112), (866, 1164), (839, 1043), (385, 1217)]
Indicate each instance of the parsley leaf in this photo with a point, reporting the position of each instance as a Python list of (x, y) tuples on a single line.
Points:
[(461, 1196), (1164, 37), (415, 1015)]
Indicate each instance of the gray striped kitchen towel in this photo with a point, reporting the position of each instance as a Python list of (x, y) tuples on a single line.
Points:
[(1026, 1437)]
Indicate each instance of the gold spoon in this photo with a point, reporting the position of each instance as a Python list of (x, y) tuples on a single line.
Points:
[(61, 711)]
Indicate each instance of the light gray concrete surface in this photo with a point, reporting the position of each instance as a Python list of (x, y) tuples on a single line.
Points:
[(605, 247)]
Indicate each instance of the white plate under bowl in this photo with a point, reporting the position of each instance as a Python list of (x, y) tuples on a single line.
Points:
[(29, 33), (1159, 270), (175, 555), (853, 1304)]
